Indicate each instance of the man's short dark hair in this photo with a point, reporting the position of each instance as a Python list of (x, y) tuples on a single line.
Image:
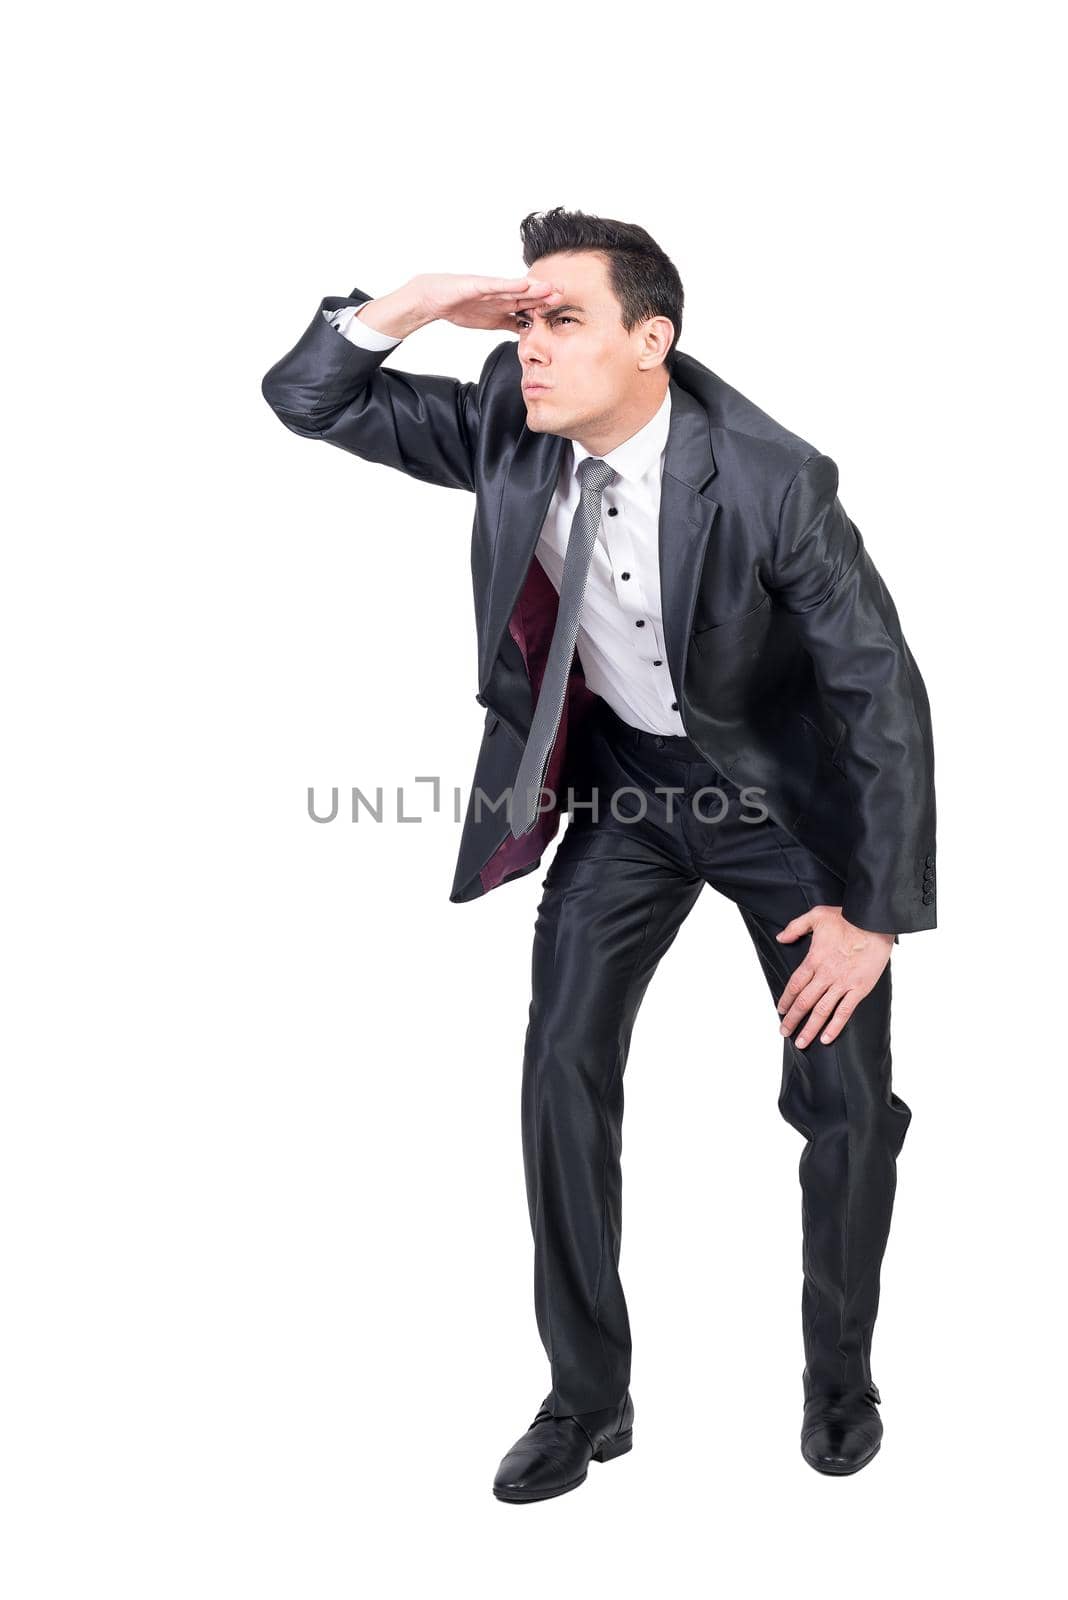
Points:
[(643, 279)]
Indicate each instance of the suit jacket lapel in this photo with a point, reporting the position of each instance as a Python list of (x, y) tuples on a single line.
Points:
[(686, 517), (533, 473)]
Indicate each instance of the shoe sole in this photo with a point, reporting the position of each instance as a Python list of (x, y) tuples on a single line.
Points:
[(607, 1452), (844, 1472)]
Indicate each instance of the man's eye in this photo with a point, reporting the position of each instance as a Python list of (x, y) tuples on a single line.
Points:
[(524, 322)]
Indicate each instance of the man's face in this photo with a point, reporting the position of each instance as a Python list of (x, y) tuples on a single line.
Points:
[(579, 351)]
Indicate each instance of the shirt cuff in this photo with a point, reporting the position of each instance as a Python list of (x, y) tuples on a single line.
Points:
[(357, 331)]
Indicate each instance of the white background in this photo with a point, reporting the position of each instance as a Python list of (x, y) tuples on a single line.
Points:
[(268, 1322)]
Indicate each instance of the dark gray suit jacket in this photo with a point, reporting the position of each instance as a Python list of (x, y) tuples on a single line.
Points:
[(783, 641)]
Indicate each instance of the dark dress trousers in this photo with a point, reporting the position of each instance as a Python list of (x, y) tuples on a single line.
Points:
[(798, 693)]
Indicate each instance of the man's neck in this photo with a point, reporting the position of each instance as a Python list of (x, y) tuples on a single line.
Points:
[(622, 426)]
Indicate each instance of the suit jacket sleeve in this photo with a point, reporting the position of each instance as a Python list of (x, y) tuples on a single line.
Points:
[(822, 573), (353, 327), (329, 387)]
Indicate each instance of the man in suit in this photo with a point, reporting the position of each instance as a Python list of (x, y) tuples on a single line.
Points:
[(683, 645)]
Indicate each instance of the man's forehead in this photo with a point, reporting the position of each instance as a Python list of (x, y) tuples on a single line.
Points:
[(583, 282)]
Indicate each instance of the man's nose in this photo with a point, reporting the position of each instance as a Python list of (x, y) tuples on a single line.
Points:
[(535, 344)]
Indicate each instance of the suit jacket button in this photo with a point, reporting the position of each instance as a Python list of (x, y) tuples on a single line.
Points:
[(929, 862), (480, 699), (928, 899)]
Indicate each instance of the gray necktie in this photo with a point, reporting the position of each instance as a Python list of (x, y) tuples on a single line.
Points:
[(594, 476)]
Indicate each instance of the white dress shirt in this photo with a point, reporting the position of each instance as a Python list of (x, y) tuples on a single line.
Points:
[(621, 634)]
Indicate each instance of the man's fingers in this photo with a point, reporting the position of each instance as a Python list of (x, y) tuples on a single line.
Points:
[(840, 1018), (818, 1016), (800, 978), (500, 285), (531, 288), (804, 1002)]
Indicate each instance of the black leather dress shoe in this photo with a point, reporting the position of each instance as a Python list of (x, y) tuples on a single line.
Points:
[(839, 1434), (554, 1453)]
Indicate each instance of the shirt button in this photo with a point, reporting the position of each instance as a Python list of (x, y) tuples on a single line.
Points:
[(674, 705), (640, 623), (624, 576), (658, 663), (612, 512)]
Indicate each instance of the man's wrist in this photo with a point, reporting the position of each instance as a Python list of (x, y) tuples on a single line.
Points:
[(397, 314)]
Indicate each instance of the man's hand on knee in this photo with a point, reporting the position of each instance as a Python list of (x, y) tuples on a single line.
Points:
[(844, 963)]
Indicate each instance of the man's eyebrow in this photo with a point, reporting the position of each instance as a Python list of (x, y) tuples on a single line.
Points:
[(550, 311)]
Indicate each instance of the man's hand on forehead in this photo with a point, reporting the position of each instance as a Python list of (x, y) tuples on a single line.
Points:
[(473, 301)]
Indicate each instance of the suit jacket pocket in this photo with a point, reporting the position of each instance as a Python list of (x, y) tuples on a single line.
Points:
[(725, 633)]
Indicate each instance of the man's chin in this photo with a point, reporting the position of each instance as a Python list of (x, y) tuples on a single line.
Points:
[(540, 419)]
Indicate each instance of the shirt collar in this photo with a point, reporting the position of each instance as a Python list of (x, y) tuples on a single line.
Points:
[(635, 456)]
